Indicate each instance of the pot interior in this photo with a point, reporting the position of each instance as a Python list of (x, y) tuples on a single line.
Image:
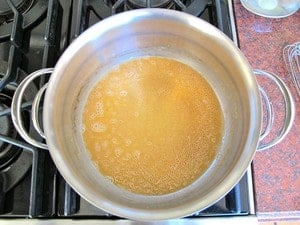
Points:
[(152, 32)]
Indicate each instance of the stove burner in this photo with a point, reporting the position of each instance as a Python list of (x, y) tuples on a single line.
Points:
[(32, 11), (136, 4), (7, 152), (14, 161), (6, 13)]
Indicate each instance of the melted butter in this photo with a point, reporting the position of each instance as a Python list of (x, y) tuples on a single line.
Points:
[(153, 125)]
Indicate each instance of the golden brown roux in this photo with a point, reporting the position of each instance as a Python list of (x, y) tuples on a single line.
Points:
[(152, 125)]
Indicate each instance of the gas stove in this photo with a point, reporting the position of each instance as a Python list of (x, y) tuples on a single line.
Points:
[(33, 35)]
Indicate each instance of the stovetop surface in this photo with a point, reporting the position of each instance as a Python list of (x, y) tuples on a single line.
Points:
[(33, 35)]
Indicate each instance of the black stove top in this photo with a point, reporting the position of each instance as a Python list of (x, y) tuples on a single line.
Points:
[(33, 35)]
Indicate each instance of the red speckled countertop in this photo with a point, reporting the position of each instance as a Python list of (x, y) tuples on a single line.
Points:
[(276, 170)]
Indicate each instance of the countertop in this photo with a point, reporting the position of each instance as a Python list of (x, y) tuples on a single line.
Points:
[(277, 169)]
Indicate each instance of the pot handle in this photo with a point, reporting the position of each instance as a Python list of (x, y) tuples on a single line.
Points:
[(18, 122), (16, 108), (289, 107)]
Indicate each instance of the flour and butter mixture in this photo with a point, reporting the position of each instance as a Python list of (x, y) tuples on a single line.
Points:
[(152, 125)]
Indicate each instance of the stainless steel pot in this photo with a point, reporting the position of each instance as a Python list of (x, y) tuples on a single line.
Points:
[(133, 34)]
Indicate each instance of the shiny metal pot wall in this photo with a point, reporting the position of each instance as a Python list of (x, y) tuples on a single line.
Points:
[(163, 33)]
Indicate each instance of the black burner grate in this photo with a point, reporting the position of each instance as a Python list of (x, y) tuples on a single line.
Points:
[(33, 34), (30, 12), (30, 41), (6, 12)]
